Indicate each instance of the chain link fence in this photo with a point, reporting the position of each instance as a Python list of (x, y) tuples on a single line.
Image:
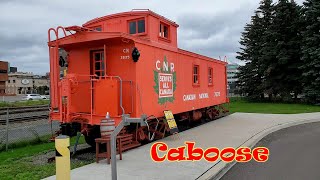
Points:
[(25, 125)]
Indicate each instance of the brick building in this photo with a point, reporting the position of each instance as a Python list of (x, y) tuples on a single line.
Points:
[(3, 76)]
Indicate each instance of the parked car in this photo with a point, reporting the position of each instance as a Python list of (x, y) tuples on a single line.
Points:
[(33, 97), (43, 97)]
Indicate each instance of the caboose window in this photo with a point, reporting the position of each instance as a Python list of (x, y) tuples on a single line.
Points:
[(99, 28), (132, 26), (98, 59), (210, 72), (141, 26), (164, 31), (196, 75), (137, 26)]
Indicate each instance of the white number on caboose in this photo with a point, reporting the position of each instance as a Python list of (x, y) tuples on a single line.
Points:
[(124, 57)]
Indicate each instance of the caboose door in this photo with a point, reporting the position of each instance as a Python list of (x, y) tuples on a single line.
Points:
[(97, 69), (97, 63)]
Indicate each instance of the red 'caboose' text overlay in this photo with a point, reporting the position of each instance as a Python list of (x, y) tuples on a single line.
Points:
[(160, 152)]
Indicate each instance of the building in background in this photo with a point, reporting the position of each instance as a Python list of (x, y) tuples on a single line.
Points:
[(3, 76), (13, 69), (232, 70), (25, 83)]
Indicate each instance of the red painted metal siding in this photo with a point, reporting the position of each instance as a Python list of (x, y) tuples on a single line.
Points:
[(161, 80)]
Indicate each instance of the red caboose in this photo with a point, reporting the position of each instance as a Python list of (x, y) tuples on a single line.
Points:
[(129, 63)]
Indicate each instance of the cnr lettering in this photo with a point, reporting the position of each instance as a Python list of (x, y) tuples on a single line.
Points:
[(165, 66)]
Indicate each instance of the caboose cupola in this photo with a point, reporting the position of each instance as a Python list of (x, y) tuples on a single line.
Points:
[(138, 22)]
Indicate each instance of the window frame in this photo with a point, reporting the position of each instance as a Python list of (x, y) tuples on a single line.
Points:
[(198, 75), (137, 26), (210, 69), (101, 61), (95, 28), (161, 25)]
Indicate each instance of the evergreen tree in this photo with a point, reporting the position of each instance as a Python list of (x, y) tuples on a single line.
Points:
[(282, 54), (253, 40), (311, 50), (267, 51)]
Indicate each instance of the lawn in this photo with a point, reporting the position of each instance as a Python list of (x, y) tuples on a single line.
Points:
[(240, 105), (30, 162)]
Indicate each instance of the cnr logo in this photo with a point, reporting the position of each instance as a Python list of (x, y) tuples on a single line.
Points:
[(165, 79), (165, 66)]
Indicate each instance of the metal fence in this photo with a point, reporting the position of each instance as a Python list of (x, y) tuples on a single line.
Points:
[(25, 125)]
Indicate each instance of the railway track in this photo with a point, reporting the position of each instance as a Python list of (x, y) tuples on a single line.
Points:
[(23, 114), (17, 110), (25, 118)]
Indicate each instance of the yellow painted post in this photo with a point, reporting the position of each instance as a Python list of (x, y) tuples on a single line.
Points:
[(62, 157)]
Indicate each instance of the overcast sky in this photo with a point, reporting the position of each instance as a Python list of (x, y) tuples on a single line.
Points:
[(208, 27)]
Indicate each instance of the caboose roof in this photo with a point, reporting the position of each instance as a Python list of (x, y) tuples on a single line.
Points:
[(134, 12)]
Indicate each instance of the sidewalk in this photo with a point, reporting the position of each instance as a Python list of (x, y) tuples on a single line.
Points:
[(239, 129)]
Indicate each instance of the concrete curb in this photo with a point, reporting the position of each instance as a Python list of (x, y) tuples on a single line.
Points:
[(221, 168)]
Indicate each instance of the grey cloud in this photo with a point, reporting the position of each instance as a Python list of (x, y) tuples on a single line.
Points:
[(213, 35), (208, 27)]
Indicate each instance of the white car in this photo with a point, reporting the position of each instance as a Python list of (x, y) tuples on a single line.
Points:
[(33, 97)]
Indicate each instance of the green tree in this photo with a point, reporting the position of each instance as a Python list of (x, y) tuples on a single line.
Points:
[(283, 51), (253, 40), (311, 50)]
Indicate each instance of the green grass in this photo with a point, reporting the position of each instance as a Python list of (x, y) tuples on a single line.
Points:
[(24, 143), (18, 163), (241, 105), (24, 103)]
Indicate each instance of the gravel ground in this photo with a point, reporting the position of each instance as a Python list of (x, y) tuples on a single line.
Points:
[(88, 156), (28, 130), (27, 123)]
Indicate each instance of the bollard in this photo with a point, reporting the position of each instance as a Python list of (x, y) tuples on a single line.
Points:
[(62, 157)]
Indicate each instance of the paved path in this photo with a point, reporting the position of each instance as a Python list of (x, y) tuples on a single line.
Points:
[(231, 131), (294, 154)]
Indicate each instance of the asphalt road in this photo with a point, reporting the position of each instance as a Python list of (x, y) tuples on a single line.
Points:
[(294, 154)]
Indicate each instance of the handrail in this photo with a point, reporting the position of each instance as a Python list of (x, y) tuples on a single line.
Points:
[(63, 30), (131, 93), (56, 32), (123, 112), (49, 35)]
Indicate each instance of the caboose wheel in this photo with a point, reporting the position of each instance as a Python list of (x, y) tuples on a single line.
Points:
[(93, 133), (159, 132), (90, 140), (209, 114)]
